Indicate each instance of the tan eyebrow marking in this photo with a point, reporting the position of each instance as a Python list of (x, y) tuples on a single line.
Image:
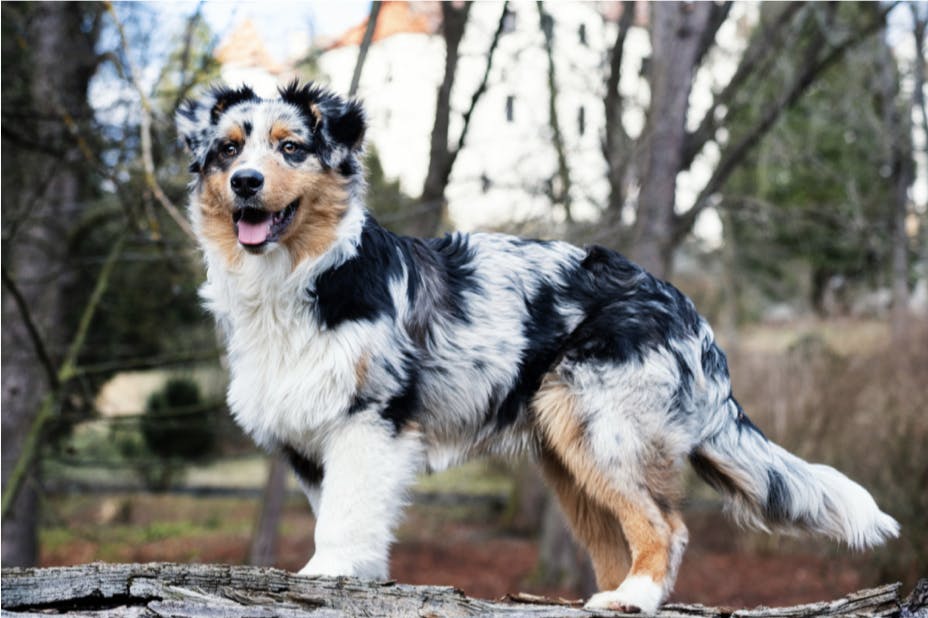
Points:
[(280, 131), (236, 134)]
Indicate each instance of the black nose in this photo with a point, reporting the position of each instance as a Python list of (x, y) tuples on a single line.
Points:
[(246, 183)]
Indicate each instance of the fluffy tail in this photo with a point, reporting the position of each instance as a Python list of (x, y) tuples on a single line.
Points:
[(771, 489)]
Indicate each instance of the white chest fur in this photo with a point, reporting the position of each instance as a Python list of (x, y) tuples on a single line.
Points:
[(290, 379)]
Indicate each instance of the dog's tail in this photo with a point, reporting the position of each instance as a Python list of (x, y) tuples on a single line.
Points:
[(771, 489)]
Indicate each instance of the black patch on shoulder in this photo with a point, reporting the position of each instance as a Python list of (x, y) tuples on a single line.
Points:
[(310, 472), (454, 259), (227, 98), (358, 289), (776, 509)]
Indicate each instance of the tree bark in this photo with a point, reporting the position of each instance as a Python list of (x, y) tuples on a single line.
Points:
[(453, 22), (263, 549), (677, 30), (897, 125), (560, 193), (215, 590), (365, 46), (42, 200)]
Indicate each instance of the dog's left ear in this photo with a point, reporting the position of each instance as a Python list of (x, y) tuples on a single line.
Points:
[(193, 121), (347, 125)]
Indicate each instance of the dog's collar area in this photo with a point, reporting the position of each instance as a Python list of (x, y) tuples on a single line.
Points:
[(256, 227)]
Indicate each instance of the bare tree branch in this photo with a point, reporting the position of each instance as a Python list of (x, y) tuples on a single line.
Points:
[(146, 111), (38, 343), (754, 61), (919, 27), (441, 156), (616, 145), (560, 194), (183, 84), (65, 372), (716, 19), (734, 153), (475, 98), (365, 45)]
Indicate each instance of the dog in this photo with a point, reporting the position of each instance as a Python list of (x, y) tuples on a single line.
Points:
[(367, 358)]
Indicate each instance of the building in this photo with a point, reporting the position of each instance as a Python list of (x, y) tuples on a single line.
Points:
[(508, 164)]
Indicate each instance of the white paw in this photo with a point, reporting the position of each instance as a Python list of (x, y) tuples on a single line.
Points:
[(637, 593), (330, 564), (326, 566)]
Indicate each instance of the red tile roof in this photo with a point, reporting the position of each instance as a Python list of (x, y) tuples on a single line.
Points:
[(394, 18)]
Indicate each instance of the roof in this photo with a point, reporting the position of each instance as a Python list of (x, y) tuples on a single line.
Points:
[(244, 47), (394, 18)]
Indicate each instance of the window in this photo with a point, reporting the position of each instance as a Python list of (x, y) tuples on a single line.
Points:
[(509, 21), (581, 34), (581, 120), (547, 26), (510, 108)]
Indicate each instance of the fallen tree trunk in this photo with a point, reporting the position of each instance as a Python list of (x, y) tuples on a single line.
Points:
[(157, 589)]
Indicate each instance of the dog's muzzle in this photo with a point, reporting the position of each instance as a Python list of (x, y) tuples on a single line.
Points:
[(256, 227)]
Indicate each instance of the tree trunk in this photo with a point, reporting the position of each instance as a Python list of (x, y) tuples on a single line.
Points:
[(677, 29), (897, 147), (43, 187), (108, 590), (263, 549), (560, 193), (454, 20)]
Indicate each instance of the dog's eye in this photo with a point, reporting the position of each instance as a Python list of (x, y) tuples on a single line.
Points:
[(229, 150), (289, 147)]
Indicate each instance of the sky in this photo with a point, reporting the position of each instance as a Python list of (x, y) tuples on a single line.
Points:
[(280, 23)]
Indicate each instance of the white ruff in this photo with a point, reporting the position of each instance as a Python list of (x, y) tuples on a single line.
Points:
[(290, 378)]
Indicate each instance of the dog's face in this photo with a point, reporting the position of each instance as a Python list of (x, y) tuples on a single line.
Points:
[(272, 172)]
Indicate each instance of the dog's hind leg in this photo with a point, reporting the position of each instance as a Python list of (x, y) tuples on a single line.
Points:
[(595, 526), (631, 490)]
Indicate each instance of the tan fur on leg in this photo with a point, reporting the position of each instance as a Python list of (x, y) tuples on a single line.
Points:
[(594, 526), (647, 532)]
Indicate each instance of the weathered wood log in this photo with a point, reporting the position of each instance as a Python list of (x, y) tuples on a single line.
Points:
[(158, 589)]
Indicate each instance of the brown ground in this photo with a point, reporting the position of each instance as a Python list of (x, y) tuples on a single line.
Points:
[(471, 554)]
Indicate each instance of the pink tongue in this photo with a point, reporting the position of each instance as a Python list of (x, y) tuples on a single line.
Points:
[(253, 233)]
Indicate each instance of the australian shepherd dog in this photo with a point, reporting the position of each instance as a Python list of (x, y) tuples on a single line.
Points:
[(367, 358)]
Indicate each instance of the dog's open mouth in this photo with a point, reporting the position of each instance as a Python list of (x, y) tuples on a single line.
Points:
[(255, 227)]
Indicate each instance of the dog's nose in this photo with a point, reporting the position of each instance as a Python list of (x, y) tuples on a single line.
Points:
[(247, 182)]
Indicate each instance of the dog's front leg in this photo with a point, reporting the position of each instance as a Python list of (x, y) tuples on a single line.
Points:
[(368, 466)]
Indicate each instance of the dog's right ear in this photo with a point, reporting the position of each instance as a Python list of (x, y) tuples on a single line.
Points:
[(193, 127), (196, 118)]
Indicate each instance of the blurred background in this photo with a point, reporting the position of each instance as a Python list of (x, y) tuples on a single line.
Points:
[(767, 158)]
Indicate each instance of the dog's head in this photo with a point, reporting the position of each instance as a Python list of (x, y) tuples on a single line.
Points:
[(272, 172)]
